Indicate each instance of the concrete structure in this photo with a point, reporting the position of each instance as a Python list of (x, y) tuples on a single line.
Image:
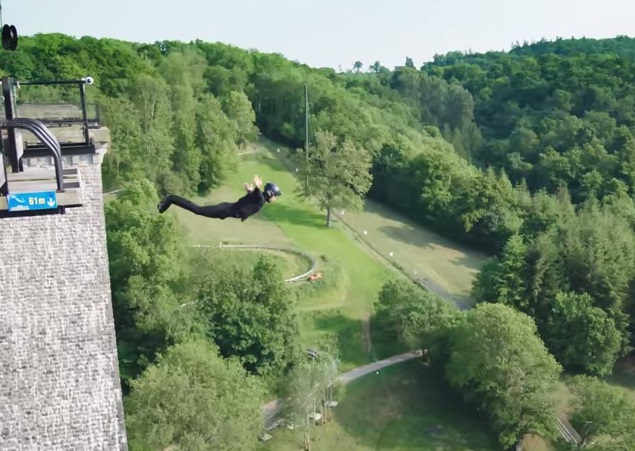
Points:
[(59, 376)]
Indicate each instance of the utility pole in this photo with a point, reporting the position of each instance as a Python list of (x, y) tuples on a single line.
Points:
[(306, 138)]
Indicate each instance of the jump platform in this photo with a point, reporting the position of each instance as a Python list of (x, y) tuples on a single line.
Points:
[(63, 133)]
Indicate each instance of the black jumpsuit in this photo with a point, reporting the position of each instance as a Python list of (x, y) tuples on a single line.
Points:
[(249, 204)]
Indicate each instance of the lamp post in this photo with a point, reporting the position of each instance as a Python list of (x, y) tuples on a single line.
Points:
[(306, 137)]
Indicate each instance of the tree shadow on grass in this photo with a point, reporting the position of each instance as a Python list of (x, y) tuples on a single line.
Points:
[(275, 163), (406, 234), (624, 374), (408, 406), (344, 333), (385, 344), (280, 212), (411, 235)]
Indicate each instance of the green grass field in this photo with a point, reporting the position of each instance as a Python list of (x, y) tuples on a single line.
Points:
[(425, 255), (403, 408)]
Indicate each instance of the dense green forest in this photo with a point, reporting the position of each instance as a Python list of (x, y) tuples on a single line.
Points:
[(527, 154)]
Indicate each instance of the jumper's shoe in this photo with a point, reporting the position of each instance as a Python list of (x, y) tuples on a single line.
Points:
[(164, 204)]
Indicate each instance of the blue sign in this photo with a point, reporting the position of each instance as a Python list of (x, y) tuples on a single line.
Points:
[(42, 200)]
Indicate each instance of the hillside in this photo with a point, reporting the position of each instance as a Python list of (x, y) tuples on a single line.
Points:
[(554, 118), (527, 155)]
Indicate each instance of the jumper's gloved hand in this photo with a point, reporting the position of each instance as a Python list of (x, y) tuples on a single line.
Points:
[(257, 181)]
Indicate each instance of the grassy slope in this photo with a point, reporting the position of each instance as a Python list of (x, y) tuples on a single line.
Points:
[(449, 268), (420, 252), (446, 267)]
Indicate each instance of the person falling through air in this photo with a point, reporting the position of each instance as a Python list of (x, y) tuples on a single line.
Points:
[(248, 205)]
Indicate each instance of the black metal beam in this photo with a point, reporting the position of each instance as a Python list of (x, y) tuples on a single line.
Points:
[(82, 96), (87, 80), (9, 108), (70, 149), (69, 122)]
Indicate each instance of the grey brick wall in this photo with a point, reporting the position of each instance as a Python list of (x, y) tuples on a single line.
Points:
[(59, 377)]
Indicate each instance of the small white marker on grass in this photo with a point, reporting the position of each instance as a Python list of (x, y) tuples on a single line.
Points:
[(391, 254), (278, 150), (365, 232), (297, 169)]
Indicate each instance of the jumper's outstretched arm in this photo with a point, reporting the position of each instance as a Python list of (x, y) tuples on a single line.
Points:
[(257, 181)]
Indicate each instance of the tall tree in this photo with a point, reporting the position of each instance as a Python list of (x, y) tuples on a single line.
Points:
[(600, 409), (500, 363), (307, 389), (582, 337), (238, 109), (193, 399), (145, 273), (338, 173), (124, 160), (249, 315), (216, 140), (404, 313), (186, 158), (504, 279), (150, 96)]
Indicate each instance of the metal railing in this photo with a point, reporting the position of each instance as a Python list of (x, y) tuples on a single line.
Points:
[(44, 134), (59, 114)]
